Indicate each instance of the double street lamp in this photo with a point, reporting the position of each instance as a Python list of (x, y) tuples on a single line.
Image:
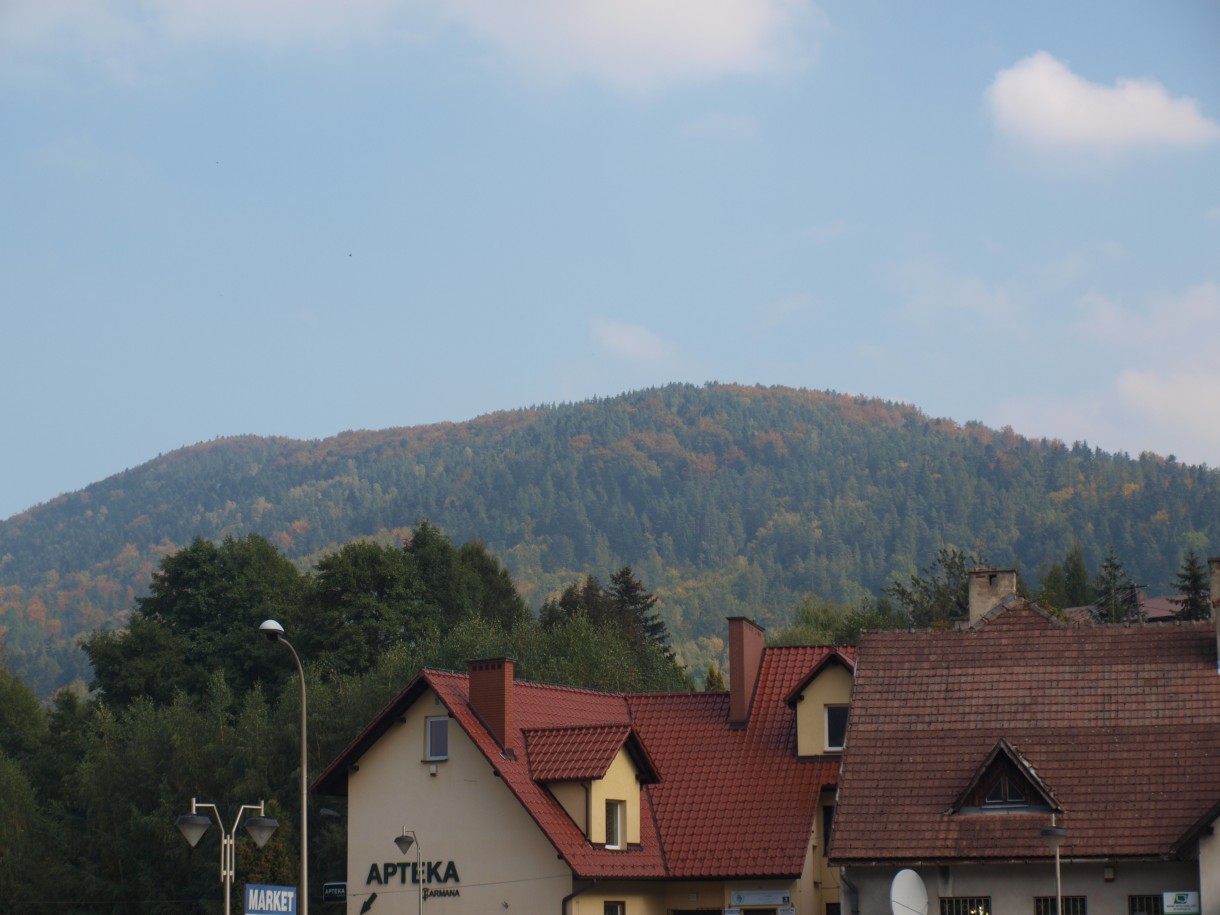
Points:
[(194, 824), (275, 632)]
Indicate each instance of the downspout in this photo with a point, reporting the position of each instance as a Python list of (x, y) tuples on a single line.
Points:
[(855, 893), (563, 905)]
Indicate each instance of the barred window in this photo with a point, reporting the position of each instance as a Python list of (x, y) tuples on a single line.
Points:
[(1072, 905), (965, 905), (1144, 905)]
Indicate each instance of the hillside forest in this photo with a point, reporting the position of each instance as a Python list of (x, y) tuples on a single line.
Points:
[(726, 500), (189, 701)]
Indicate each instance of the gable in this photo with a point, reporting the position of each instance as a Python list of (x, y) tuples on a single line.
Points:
[(1005, 781)]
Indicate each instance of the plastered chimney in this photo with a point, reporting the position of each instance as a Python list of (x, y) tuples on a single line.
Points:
[(491, 696), (745, 659), (987, 588)]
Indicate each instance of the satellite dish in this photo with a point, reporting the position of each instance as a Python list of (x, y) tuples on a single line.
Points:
[(908, 895)]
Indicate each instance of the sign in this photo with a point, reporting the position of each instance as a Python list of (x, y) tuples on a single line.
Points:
[(270, 900), (334, 892), (732, 912), (786, 910), (1180, 903), (760, 897)]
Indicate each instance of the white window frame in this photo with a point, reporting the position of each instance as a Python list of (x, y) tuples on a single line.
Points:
[(430, 753), (616, 813)]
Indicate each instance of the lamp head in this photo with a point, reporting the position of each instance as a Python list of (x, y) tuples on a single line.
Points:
[(261, 828), (193, 826), (272, 630), (404, 842), (1054, 836)]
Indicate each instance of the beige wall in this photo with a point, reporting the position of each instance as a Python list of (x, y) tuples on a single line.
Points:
[(461, 814), (1209, 874), (619, 784), (832, 686)]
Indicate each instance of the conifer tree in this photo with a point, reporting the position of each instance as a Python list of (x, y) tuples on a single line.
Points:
[(1116, 597), (1195, 601)]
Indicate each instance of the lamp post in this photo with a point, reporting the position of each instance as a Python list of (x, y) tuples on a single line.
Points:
[(404, 843), (194, 824), (1054, 836), (275, 633)]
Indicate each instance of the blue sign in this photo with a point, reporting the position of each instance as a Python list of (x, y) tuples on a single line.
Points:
[(270, 900)]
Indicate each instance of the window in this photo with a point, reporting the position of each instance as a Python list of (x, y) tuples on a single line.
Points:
[(1143, 905), (828, 823), (614, 824), (438, 739), (614, 908), (1006, 792), (833, 908), (836, 726), (1072, 905), (965, 905)]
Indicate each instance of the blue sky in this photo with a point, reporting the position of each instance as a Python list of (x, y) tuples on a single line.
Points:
[(298, 217)]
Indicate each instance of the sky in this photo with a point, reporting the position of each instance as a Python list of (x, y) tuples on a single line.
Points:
[(300, 217)]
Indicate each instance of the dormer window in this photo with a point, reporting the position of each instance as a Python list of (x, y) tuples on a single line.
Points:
[(836, 728), (615, 823), (1006, 792)]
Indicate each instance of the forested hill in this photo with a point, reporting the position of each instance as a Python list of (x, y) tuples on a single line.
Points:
[(725, 500)]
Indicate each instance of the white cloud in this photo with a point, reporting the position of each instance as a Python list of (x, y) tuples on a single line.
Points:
[(639, 44), (1040, 101), (932, 291), (634, 342), (633, 44), (1154, 379)]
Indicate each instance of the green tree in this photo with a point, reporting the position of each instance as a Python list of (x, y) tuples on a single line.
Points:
[(1194, 600), (365, 598), (1116, 596), (1077, 585), (714, 681), (1052, 588), (494, 594), (635, 609), (940, 595)]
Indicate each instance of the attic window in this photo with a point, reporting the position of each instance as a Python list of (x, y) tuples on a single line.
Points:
[(836, 727), (615, 815), (438, 739), (1006, 792)]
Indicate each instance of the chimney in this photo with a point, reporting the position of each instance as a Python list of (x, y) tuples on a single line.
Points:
[(491, 697), (989, 587), (745, 660), (1213, 567)]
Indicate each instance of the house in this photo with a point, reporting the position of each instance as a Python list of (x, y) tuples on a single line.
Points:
[(506, 795), (964, 746)]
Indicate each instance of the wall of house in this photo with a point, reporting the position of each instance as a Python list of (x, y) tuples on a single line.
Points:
[(619, 784), (468, 823), (832, 686), (1012, 887), (1209, 874), (643, 898)]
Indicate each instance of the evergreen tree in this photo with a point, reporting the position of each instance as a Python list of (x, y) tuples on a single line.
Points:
[(1052, 588), (1116, 596), (635, 609), (1077, 588), (940, 595), (1195, 600)]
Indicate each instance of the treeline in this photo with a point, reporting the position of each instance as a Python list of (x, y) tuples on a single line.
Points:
[(729, 500), (190, 701)]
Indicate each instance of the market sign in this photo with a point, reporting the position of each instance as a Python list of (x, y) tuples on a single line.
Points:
[(270, 900), (1180, 903)]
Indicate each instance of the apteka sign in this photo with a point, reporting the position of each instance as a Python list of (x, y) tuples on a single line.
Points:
[(270, 900)]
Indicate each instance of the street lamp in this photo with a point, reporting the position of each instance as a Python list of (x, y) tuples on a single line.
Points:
[(194, 824), (404, 843), (275, 633), (1054, 836)]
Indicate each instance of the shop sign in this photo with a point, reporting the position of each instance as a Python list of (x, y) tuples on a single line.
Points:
[(732, 911), (1180, 903), (427, 872), (760, 897), (270, 900), (334, 892), (786, 910)]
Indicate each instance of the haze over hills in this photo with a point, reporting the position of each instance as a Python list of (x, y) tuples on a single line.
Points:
[(726, 500)]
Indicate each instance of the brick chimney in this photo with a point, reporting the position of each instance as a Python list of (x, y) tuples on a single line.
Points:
[(491, 696), (745, 660), (1213, 567), (987, 588)]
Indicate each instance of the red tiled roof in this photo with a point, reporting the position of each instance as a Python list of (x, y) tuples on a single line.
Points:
[(730, 802), (1121, 723), (573, 753)]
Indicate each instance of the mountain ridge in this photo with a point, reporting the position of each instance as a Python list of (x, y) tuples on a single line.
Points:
[(726, 499)]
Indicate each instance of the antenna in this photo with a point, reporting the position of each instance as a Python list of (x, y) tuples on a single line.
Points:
[(908, 895)]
